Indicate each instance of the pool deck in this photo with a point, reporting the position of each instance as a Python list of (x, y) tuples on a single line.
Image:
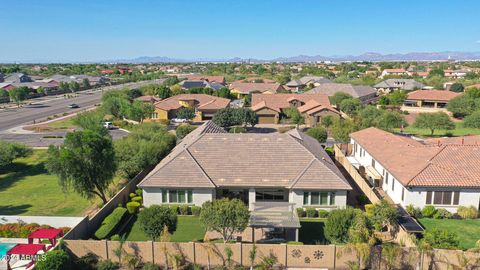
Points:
[(3, 265)]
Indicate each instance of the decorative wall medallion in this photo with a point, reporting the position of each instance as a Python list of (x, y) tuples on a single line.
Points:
[(296, 253), (307, 259), (318, 254)]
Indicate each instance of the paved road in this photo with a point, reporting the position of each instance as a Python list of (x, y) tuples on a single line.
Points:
[(42, 108)]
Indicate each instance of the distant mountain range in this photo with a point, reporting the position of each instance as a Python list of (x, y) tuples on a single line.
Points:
[(370, 56)]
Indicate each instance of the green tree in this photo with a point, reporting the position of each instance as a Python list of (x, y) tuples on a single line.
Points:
[(91, 120), (457, 87), (139, 110), (4, 93), (397, 97), (86, 84), (472, 120), (225, 216), (40, 90), (436, 72), (164, 92), (228, 117), (9, 151), (85, 162), (384, 215), (341, 130), (153, 219), (182, 130), (296, 117), (434, 121), (327, 121), (185, 113), (318, 133), (54, 260), (338, 224), (18, 94), (390, 120), (463, 105), (63, 86), (338, 97), (115, 103), (368, 116), (223, 93), (350, 106), (74, 86)]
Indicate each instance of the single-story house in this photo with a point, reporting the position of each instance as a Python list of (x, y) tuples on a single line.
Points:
[(268, 170), (242, 89), (190, 84), (435, 99), (205, 106), (210, 79), (365, 93), (270, 108), (255, 80), (148, 99), (306, 81), (391, 85), (7, 86), (443, 173), (17, 78), (394, 72)]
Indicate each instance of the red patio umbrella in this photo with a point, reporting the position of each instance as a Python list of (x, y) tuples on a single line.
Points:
[(24, 250)]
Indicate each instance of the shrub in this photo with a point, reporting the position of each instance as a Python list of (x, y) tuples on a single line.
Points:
[(132, 195), (294, 243), (137, 199), (369, 209), (414, 211), (438, 238), (338, 224), (115, 237), (428, 211), (319, 133), (323, 213), (139, 192), (469, 212), (183, 209), (442, 213), (311, 212), (183, 130), (107, 265), (175, 208), (196, 210), (132, 207), (88, 261), (150, 266), (54, 260), (362, 199), (110, 223), (153, 220), (300, 212)]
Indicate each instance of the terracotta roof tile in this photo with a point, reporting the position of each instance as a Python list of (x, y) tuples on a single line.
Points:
[(245, 87), (437, 95), (204, 102)]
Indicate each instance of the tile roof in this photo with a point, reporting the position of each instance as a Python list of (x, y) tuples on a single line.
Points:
[(147, 98), (407, 84), (290, 160), (395, 70), (211, 79), (426, 164), (254, 80), (355, 91), (246, 88), (277, 102), (437, 95), (306, 80), (204, 102)]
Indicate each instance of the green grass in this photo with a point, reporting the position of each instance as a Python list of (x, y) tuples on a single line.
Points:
[(27, 189), (311, 231), (468, 230), (458, 131), (189, 228), (63, 124)]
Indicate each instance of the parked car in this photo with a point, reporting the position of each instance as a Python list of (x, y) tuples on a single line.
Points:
[(108, 125), (179, 120), (73, 106)]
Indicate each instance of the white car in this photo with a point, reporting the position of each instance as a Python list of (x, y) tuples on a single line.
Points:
[(179, 120), (108, 125)]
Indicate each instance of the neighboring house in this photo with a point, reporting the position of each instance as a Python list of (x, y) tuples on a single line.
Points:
[(17, 78), (210, 79), (363, 92), (255, 80), (148, 99), (242, 89), (391, 85), (306, 81), (423, 74), (270, 170), (432, 99), (271, 108), (190, 84), (440, 172), (7, 86), (205, 106), (394, 72), (455, 73)]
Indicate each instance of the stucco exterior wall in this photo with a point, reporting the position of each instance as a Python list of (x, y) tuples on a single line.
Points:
[(296, 196), (154, 196)]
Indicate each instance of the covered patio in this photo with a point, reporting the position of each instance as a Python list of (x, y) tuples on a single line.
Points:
[(278, 221), (24, 256)]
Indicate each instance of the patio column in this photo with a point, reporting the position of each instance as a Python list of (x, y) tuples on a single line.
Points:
[(253, 235), (296, 234), (251, 199)]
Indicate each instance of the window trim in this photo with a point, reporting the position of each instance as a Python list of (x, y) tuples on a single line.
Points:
[(329, 199), (454, 197), (187, 195)]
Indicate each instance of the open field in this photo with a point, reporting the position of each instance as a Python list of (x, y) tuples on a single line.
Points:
[(458, 131), (468, 230), (26, 188)]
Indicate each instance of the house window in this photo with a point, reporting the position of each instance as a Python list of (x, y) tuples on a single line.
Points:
[(318, 198), (393, 184), (403, 194), (355, 147), (177, 196), (373, 163), (270, 195), (154, 115), (386, 178), (443, 197)]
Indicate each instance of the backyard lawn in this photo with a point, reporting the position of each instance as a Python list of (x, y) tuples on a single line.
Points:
[(311, 231), (189, 228), (458, 131), (468, 230), (26, 188)]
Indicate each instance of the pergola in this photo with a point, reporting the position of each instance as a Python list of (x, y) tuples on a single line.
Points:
[(276, 215), (25, 252), (49, 234)]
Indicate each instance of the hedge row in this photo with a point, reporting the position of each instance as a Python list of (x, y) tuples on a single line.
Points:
[(312, 212), (185, 209), (23, 230), (110, 223), (429, 211)]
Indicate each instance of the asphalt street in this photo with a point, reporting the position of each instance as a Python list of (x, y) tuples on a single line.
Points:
[(39, 109)]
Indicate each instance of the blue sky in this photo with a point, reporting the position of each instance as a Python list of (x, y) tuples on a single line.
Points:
[(91, 30)]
